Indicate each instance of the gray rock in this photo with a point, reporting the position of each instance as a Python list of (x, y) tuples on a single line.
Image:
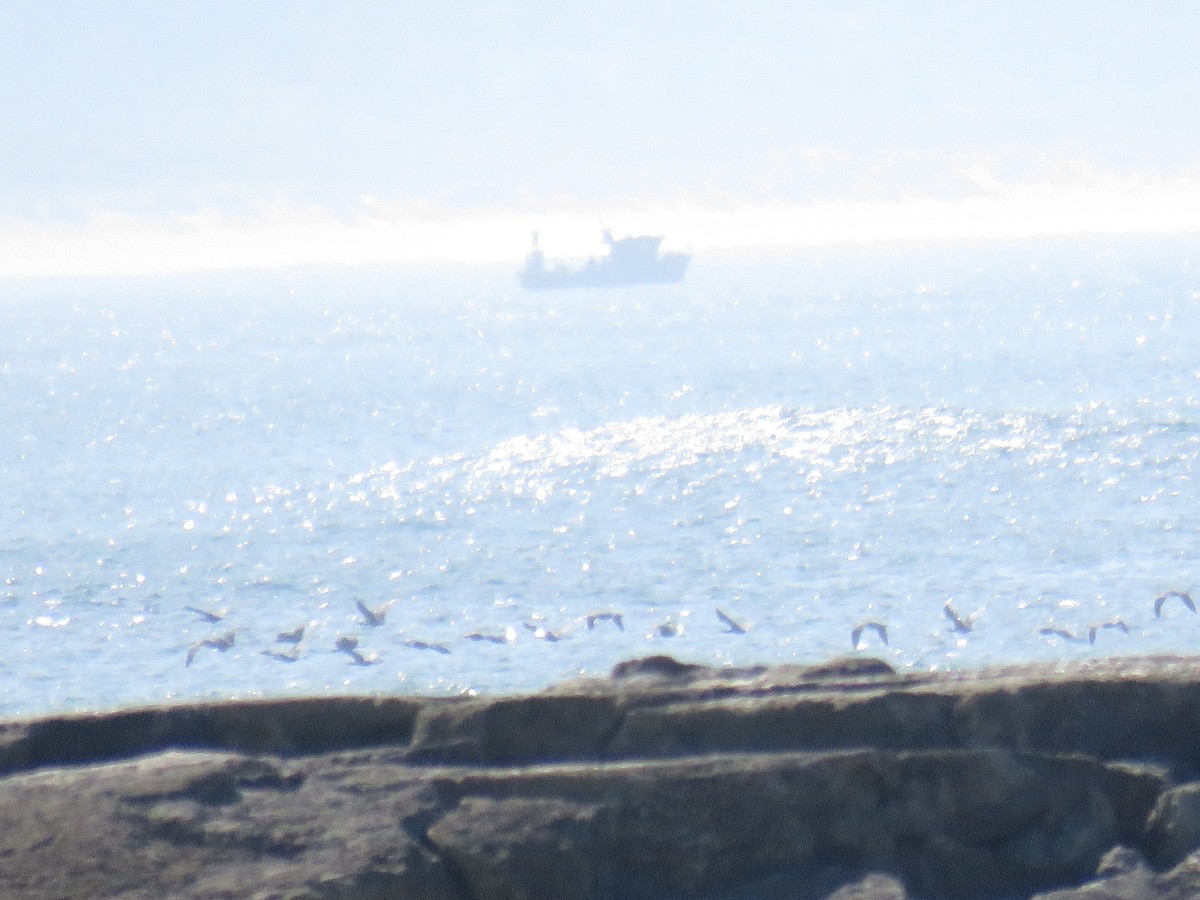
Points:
[(1123, 875), (833, 782), (526, 848), (1121, 860), (1173, 828), (515, 730), (875, 886), (1181, 882)]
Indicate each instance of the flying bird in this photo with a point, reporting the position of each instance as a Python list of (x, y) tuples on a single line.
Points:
[(1053, 631), (1112, 623), (507, 637), (614, 617), (373, 617), (730, 625), (668, 629), (221, 642), (290, 637), (348, 644), (961, 625), (290, 656), (212, 616), (856, 635), (425, 645), (1163, 598), (545, 634)]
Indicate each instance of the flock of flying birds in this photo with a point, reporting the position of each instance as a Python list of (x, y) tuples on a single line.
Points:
[(349, 644), (966, 624)]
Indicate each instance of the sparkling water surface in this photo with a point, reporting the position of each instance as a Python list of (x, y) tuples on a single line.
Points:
[(804, 445)]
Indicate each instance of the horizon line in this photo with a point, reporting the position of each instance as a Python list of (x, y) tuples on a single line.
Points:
[(404, 235)]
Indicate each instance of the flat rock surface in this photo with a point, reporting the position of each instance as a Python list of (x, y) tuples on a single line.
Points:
[(667, 780)]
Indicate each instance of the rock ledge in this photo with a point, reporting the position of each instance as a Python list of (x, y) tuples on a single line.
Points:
[(667, 780)]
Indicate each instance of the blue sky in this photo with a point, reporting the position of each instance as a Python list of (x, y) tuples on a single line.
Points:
[(245, 111)]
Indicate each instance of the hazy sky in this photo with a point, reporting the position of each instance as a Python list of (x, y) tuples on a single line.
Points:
[(235, 110)]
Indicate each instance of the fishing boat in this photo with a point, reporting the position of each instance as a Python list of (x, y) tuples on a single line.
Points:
[(627, 261)]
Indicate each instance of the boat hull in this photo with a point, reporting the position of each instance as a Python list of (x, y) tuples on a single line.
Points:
[(630, 261)]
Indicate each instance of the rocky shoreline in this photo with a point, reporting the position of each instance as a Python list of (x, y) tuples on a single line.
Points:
[(846, 780)]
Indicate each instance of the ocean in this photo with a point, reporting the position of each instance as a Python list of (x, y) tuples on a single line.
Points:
[(804, 444)]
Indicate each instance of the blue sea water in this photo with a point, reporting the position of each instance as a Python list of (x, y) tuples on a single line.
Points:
[(803, 444)]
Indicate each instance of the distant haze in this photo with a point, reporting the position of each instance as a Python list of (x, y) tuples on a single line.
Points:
[(149, 136)]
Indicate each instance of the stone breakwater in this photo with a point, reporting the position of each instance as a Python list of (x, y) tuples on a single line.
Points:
[(846, 780)]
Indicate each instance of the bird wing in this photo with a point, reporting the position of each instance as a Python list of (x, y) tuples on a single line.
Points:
[(733, 626), (1163, 598), (878, 627), (205, 614)]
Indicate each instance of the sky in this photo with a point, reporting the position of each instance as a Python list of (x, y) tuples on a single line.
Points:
[(140, 135)]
